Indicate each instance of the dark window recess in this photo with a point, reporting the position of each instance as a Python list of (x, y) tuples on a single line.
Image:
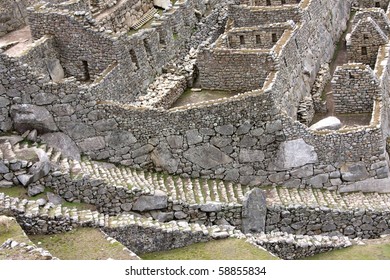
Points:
[(147, 47), (364, 50), (86, 74), (268, 2), (274, 38), (242, 40), (134, 59), (258, 40), (377, 4)]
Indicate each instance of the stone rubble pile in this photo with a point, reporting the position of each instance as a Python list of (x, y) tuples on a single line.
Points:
[(25, 251), (163, 92)]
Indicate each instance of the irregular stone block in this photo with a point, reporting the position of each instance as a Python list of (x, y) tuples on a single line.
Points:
[(207, 156), (119, 139), (211, 207), (331, 123), (63, 143), (55, 70), (251, 156), (254, 211), (352, 172), (151, 202), (28, 117), (163, 158), (92, 144), (295, 153)]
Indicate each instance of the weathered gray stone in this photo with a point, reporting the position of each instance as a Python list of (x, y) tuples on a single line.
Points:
[(4, 102), (254, 211), (295, 153), (6, 184), (3, 168), (318, 181), (32, 136), (55, 70), (105, 125), (63, 110), (28, 117), (54, 198), (119, 139), (244, 128), (207, 156), (247, 142), (34, 190), (80, 131), (303, 172), (175, 141), (144, 150), (126, 207), (163, 158), (25, 179), (274, 126), (221, 142), (368, 185), (331, 123), (211, 207), (193, 137), (12, 139), (92, 144), (225, 129), (151, 202), (352, 172), (63, 143), (251, 156)]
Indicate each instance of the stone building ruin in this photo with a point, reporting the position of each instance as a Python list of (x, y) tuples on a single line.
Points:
[(105, 77)]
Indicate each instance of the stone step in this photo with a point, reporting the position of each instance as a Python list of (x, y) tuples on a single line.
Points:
[(144, 19)]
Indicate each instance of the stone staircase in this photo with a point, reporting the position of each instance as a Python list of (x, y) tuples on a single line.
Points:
[(144, 19), (318, 198), (197, 191), (51, 218)]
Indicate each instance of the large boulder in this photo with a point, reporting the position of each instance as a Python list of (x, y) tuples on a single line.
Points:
[(151, 202), (164, 4), (40, 168), (55, 70), (207, 156), (330, 123), (63, 143), (28, 117), (295, 153), (254, 211), (162, 157), (353, 172)]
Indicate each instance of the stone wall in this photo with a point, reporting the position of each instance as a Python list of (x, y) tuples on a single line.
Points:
[(315, 221), (264, 37), (229, 69), (253, 16), (374, 3), (377, 14), (12, 16), (364, 41), (349, 98), (146, 235), (125, 14), (247, 134)]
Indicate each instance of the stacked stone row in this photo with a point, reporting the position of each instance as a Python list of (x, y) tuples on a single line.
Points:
[(47, 217), (289, 246), (288, 197)]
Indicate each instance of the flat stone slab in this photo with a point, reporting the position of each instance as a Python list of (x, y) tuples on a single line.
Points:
[(254, 211), (369, 185)]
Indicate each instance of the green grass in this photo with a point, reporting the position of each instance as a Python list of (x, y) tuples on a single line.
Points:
[(357, 252), (15, 232), (227, 249), (81, 244)]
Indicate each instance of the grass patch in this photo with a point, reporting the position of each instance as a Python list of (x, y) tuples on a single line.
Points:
[(81, 244), (15, 232), (227, 249), (357, 252)]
